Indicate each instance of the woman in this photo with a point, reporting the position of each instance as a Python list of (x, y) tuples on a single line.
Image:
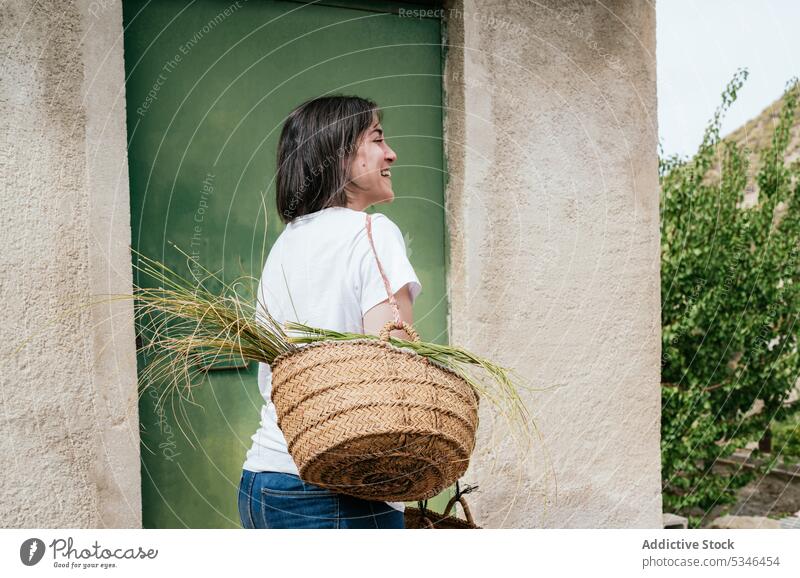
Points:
[(333, 163)]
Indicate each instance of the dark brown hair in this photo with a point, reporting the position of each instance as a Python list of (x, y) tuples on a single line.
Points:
[(316, 147)]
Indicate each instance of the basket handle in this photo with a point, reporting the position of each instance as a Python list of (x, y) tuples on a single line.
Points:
[(392, 325), (397, 323), (460, 499)]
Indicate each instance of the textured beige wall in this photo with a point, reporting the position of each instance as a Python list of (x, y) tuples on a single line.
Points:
[(69, 429), (554, 258)]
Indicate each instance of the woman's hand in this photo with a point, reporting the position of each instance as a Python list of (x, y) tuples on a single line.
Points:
[(381, 314)]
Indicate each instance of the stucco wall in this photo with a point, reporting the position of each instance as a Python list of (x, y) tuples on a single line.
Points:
[(554, 258), (69, 440)]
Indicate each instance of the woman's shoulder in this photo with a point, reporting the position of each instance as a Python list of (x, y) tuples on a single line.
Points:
[(338, 227), (332, 216), (343, 222), (383, 226)]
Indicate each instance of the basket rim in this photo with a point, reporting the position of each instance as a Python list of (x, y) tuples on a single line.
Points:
[(374, 342)]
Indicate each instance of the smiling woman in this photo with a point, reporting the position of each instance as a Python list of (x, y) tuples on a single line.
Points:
[(329, 146), (323, 270)]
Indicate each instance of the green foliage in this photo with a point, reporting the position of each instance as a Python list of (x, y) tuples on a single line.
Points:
[(786, 440), (730, 297)]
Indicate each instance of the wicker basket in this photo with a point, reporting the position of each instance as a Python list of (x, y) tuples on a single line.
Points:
[(371, 420), (424, 519)]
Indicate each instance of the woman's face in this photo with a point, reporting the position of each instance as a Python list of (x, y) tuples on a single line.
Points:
[(370, 177)]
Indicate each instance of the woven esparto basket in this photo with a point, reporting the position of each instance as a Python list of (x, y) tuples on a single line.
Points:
[(374, 421), (371, 420)]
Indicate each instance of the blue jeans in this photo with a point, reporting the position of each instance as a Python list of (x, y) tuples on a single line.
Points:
[(274, 500)]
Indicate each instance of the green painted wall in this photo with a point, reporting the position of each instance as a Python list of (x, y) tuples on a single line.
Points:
[(208, 86)]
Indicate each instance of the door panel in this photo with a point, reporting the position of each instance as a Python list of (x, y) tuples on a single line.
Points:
[(208, 87)]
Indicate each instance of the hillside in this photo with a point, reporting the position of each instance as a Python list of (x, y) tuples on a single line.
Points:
[(756, 134)]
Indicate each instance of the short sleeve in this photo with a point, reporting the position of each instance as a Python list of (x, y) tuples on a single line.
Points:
[(391, 250)]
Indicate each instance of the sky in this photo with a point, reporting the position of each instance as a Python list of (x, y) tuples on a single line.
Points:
[(699, 46)]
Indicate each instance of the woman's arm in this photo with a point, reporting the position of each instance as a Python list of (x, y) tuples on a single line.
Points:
[(378, 316)]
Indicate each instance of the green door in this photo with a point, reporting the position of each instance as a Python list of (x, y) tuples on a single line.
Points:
[(208, 86)]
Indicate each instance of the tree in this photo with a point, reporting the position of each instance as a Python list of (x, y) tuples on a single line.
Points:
[(730, 300)]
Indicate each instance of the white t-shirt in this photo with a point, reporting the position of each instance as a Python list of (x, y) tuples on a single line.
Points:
[(321, 271)]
